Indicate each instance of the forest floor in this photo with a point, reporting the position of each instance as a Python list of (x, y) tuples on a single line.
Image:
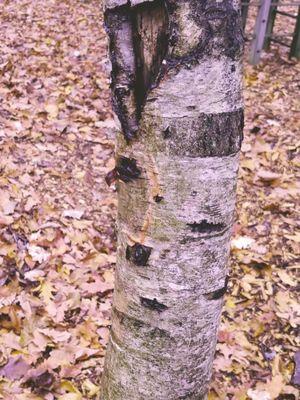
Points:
[(57, 239)]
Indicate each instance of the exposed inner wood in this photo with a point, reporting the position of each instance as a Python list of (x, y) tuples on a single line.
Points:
[(150, 43)]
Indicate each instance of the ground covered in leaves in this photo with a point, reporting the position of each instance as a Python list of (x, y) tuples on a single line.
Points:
[(57, 241)]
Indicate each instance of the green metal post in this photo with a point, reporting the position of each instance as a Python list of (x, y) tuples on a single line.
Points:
[(270, 26), (295, 47)]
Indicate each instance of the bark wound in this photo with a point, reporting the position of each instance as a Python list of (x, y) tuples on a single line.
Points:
[(138, 43), (153, 304), (138, 254), (127, 169), (217, 294), (158, 198), (206, 227)]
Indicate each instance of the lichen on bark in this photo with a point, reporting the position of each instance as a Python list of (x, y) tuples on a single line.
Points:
[(176, 174)]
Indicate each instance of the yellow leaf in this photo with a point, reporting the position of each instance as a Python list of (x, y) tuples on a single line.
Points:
[(52, 110), (249, 164), (68, 89), (90, 388), (46, 291), (250, 79), (70, 396), (230, 303), (212, 396), (73, 392), (108, 276), (68, 386), (48, 41)]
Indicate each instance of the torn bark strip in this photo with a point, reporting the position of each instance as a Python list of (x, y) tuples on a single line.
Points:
[(111, 177), (138, 43)]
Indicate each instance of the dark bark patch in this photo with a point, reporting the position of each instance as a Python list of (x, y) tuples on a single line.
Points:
[(158, 198), (208, 135), (127, 169), (138, 254), (206, 227), (153, 304), (255, 129), (217, 294), (167, 133)]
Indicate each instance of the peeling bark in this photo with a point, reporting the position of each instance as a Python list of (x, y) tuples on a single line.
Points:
[(177, 163)]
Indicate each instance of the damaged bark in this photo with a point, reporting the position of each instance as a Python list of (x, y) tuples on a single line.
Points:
[(176, 85)]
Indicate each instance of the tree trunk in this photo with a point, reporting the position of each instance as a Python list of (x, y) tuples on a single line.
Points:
[(176, 83)]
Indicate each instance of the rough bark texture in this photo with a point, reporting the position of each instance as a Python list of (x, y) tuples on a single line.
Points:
[(176, 171)]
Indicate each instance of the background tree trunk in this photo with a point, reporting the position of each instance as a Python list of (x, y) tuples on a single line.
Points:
[(176, 82)]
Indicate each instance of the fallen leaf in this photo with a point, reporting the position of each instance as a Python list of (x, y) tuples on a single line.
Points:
[(77, 214), (242, 242), (286, 278), (268, 176), (7, 205), (16, 368), (296, 374), (42, 381), (52, 110), (37, 253), (90, 389), (258, 395)]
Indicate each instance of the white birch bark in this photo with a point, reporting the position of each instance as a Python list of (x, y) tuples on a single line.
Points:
[(176, 171)]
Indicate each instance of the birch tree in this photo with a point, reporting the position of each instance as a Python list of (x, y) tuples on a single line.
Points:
[(176, 85)]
